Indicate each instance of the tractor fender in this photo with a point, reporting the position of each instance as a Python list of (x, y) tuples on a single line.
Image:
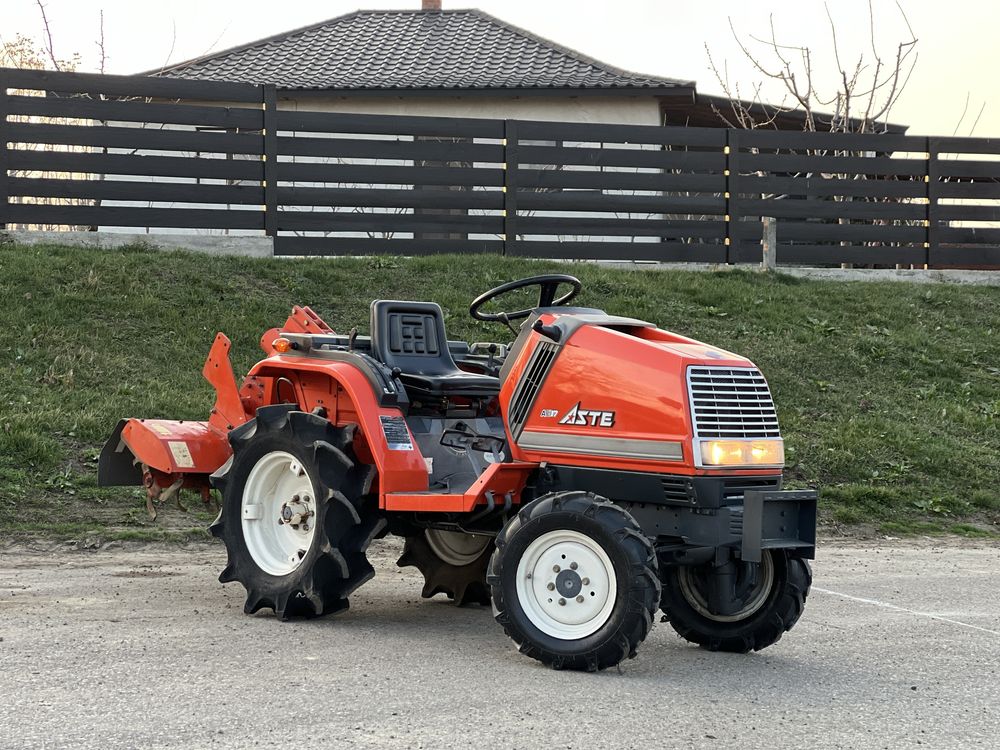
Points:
[(349, 396)]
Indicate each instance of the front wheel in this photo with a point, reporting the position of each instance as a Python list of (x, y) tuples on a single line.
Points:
[(770, 597), (574, 581)]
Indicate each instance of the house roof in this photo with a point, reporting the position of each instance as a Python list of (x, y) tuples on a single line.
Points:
[(417, 50)]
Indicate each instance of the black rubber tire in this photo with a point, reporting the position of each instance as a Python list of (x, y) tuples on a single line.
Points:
[(779, 613), (464, 584), (347, 518), (634, 562)]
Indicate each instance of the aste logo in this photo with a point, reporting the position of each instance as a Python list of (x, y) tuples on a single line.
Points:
[(592, 417)]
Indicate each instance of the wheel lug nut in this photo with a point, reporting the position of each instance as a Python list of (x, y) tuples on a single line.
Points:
[(562, 602), (551, 587), (573, 566), (555, 568), (579, 599), (585, 581)]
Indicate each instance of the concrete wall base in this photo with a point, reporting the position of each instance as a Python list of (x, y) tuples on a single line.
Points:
[(251, 247)]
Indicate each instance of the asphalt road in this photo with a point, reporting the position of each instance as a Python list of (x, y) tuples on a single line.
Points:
[(899, 647)]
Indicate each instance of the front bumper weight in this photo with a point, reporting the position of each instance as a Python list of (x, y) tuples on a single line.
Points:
[(782, 519)]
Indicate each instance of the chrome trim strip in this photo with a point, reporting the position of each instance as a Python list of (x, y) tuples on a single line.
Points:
[(660, 450)]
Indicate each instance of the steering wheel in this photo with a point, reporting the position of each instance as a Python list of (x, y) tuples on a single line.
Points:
[(548, 285)]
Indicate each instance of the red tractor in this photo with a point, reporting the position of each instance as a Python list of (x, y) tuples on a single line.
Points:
[(592, 471)]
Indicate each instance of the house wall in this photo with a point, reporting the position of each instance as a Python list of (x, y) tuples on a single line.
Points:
[(621, 110)]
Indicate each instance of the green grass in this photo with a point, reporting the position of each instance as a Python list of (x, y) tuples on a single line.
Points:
[(888, 393)]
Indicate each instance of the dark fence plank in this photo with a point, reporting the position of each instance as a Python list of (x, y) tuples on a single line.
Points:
[(873, 165), (137, 190), (422, 150), (968, 235), (129, 86), (388, 198), (556, 178), (61, 162), (621, 157), (109, 111), (599, 133), (861, 254), (127, 216), (136, 138), (3, 146), (344, 221), (823, 186), (879, 143), (981, 255), (664, 252), (806, 231), (814, 209), (965, 212), (622, 227), (979, 189), (336, 122), (968, 169), (595, 200), (293, 245), (951, 145), (378, 174)]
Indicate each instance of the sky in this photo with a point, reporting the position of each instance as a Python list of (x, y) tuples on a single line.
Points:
[(956, 69)]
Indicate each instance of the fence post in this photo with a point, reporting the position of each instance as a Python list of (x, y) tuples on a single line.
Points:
[(270, 99), (769, 243), (509, 186), (732, 195), (3, 151), (932, 194)]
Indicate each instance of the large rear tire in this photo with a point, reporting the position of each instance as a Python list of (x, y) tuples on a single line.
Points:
[(452, 563), (770, 605), (296, 516), (574, 581)]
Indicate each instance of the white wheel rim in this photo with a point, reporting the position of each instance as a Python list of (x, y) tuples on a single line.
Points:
[(456, 547), (278, 513), (692, 592), (566, 584)]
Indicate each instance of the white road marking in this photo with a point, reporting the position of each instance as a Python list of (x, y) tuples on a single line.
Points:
[(893, 607)]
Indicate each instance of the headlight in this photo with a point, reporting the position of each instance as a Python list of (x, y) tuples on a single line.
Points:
[(743, 452)]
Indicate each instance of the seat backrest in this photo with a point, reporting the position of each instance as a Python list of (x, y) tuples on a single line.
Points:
[(411, 336)]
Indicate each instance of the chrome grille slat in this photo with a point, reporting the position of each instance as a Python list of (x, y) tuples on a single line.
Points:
[(731, 402)]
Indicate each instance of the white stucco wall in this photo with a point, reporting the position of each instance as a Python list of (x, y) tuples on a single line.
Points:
[(623, 110)]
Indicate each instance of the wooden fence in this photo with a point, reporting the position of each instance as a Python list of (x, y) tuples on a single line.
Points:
[(110, 152)]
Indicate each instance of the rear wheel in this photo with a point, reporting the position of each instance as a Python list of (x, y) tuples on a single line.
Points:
[(770, 597), (452, 563), (574, 581), (296, 518)]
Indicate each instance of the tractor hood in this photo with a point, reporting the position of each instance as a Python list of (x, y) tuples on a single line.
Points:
[(616, 391)]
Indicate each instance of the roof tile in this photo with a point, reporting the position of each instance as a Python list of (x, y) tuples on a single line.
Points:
[(454, 49)]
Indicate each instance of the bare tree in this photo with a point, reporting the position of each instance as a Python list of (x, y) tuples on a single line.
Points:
[(859, 102)]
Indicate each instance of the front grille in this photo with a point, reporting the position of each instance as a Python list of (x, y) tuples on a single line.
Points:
[(534, 373), (731, 402)]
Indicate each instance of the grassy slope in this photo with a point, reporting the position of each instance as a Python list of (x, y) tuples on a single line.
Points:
[(888, 394)]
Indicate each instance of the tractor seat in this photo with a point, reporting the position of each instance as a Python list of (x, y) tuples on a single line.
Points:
[(411, 336)]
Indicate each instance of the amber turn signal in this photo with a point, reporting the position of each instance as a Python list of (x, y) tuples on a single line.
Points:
[(281, 345)]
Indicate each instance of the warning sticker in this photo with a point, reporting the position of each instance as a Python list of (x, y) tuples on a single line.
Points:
[(160, 428), (396, 434), (181, 454)]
